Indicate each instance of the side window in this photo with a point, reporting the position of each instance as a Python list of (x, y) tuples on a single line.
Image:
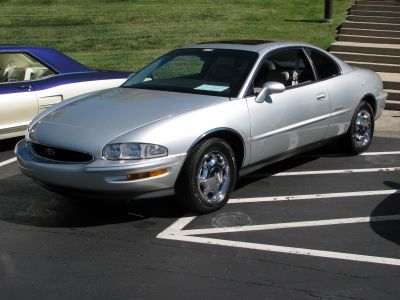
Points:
[(21, 67), (324, 65), (289, 67)]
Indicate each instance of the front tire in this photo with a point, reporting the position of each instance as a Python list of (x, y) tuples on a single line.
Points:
[(359, 135), (207, 177)]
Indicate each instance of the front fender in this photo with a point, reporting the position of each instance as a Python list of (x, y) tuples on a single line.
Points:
[(180, 132)]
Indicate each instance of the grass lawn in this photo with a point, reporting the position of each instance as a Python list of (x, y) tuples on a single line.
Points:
[(127, 34)]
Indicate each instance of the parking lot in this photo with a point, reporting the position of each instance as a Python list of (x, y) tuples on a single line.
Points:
[(320, 225)]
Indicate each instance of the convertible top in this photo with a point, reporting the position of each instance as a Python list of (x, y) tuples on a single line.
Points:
[(55, 59)]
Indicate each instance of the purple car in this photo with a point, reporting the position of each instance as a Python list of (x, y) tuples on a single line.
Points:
[(34, 78)]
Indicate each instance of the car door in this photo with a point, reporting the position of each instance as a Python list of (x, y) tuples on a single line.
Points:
[(290, 120), (340, 88), (18, 103), (18, 98)]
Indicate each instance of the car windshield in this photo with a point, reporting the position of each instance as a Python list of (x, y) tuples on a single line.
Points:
[(217, 72)]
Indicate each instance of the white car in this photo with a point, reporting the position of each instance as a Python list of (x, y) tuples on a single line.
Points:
[(34, 78)]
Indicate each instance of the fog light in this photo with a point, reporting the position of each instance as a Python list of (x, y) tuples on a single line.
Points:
[(146, 174)]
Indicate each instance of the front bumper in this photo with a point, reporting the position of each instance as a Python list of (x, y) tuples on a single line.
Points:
[(101, 176)]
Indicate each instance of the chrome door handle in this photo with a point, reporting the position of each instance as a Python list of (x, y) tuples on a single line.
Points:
[(321, 97)]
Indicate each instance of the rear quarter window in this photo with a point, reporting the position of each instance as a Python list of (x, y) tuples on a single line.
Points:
[(325, 66)]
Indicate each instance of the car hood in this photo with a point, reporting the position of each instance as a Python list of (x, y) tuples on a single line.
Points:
[(89, 123)]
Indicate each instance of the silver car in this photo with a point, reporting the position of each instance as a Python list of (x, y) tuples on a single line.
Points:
[(195, 119)]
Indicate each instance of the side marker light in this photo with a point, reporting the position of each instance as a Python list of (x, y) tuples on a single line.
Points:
[(143, 175)]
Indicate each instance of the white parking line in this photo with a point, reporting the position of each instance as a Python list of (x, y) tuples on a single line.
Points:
[(8, 161), (283, 249), (290, 225), (176, 232), (346, 171), (313, 196), (362, 154), (380, 153)]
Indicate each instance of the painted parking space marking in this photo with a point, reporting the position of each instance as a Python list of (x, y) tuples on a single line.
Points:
[(380, 153), (314, 196), (290, 225), (360, 154), (346, 171), (8, 161), (177, 233)]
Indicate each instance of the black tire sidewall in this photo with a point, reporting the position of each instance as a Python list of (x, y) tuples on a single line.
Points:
[(353, 147), (187, 190)]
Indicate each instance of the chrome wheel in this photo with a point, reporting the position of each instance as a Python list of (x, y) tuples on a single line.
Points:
[(362, 129), (213, 178), (207, 177)]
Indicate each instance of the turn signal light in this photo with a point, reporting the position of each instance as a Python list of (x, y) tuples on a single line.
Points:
[(146, 174)]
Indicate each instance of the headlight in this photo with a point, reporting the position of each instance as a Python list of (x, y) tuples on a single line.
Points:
[(133, 151)]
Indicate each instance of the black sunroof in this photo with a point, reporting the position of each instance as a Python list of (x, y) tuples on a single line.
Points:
[(240, 42)]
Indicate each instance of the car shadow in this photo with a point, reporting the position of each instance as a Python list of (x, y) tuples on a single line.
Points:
[(333, 149), (23, 201), (389, 230), (9, 144)]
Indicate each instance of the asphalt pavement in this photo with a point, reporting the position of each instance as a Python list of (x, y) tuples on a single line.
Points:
[(321, 225)]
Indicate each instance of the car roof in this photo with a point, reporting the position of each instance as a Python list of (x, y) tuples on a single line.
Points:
[(50, 57), (259, 46), (264, 46)]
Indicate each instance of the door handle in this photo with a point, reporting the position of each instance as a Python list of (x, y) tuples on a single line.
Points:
[(321, 97), (24, 87)]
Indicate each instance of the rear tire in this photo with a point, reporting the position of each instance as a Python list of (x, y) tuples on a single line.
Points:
[(207, 177), (359, 136)]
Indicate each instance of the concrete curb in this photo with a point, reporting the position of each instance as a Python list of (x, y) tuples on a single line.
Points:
[(388, 125)]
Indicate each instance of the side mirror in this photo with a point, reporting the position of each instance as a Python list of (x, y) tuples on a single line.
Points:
[(269, 88)]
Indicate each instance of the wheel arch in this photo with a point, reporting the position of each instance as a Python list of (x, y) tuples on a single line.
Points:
[(370, 99), (231, 136)]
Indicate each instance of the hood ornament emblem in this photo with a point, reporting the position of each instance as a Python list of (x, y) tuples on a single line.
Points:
[(49, 152)]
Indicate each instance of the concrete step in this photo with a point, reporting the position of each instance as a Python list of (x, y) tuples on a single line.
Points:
[(368, 39), (370, 32), (391, 85), (391, 81), (392, 105), (373, 58), (380, 12), (366, 48), (369, 25), (376, 7), (374, 19), (394, 95), (381, 2), (377, 67)]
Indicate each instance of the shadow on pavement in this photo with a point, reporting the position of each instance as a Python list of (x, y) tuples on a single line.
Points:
[(333, 149), (389, 230), (22, 201), (9, 144)]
